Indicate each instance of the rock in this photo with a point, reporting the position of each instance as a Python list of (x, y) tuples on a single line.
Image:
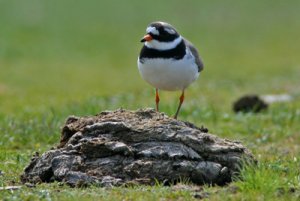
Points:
[(136, 147), (249, 103)]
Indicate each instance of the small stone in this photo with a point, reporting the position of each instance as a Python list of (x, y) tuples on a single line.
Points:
[(30, 185), (201, 195), (10, 188)]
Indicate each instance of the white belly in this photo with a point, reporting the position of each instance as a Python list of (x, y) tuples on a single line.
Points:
[(169, 74)]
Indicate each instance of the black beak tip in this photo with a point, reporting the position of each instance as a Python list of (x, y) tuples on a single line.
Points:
[(143, 40)]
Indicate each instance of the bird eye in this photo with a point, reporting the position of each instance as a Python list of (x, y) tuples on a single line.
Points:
[(161, 31)]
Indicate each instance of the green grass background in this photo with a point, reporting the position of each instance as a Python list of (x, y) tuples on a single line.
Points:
[(65, 57)]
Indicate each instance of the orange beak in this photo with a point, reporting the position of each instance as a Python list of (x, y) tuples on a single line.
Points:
[(147, 37)]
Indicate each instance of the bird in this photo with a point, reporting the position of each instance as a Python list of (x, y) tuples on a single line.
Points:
[(168, 61)]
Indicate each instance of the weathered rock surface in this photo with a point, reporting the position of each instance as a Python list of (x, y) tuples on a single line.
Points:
[(136, 147)]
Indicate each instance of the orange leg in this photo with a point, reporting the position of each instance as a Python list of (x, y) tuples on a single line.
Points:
[(156, 99), (181, 99)]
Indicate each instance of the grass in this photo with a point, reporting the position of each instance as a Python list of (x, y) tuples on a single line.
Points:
[(61, 58)]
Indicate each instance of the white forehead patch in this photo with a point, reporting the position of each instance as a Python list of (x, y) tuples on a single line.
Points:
[(169, 30), (152, 30)]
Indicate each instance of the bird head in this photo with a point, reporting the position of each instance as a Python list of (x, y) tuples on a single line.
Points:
[(161, 35)]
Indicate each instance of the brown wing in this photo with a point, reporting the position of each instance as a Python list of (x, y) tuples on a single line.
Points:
[(195, 53)]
